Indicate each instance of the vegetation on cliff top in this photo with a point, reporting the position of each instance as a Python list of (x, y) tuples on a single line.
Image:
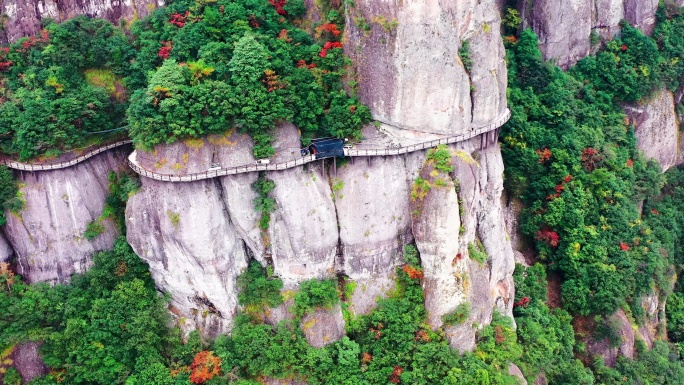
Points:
[(50, 97), (191, 69)]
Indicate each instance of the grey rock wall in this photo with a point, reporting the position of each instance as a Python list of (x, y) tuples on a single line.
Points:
[(183, 231), (198, 237), (356, 222), (564, 27), (656, 128), (357, 228), (47, 235), (408, 68), (6, 251)]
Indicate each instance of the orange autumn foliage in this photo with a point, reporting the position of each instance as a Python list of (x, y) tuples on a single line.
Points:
[(412, 272), (395, 376), (499, 335), (329, 27), (204, 367), (271, 81), (422, 336), (544, 155)]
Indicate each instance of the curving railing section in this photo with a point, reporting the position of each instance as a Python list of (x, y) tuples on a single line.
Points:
[(132, 161), (54, 166)]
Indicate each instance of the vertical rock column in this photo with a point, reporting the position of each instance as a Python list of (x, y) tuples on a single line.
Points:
[(437, 229), (374, 218), (564, 27), (656, 128), (47, 235), (409, 69), (411, 74), (183, 231)]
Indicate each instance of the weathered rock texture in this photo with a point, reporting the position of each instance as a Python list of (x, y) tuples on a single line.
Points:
[(514, 370), (229, 150), (656, 128), (323, 326), (375, 224), (25, 358), (197, 237), (564, 27), (355, 221), (23, 17), (602, 348), (28, 362), (183, 231), (656, 323), (6, 251), (411, 52), (47, 235)]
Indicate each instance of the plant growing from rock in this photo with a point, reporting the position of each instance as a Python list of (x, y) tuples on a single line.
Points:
[(94, 229), (458, 316), (257, 290), (477, 252), (464, 54), (9, 194), (315, 294), (440, 156), (263, 203)]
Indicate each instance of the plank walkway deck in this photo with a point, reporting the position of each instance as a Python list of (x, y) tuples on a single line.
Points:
[(488, 134)]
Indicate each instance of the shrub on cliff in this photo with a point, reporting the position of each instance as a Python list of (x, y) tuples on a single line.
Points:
[(256, 290), (47, 103), (315, 294), (9, 194), (264, 71)]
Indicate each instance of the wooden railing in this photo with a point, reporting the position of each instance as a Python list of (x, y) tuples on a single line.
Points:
[(132, 161), (54, 166), (216, 173)]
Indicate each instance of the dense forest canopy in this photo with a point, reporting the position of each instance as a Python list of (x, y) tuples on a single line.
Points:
[(58, 87), (189, 69), (214, 65), (571, 156), (602, 218)]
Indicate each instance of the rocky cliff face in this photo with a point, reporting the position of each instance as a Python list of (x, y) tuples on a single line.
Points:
[(564, 27), (656, 128), (47, 235), (23, 17), (197, 236), (353, 220), (6, 251), (184, 233), (409, 70)]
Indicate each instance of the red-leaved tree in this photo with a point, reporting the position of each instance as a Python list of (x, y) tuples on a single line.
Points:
[(204, 367), (548, 236), (329, 45)]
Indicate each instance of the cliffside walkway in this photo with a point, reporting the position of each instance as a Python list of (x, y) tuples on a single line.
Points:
[(488, 135), (54, 166)]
